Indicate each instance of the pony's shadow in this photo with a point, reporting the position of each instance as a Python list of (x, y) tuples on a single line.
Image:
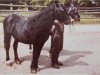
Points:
[(73, 60)]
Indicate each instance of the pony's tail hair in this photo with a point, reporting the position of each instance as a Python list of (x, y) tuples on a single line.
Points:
[(7, 36)]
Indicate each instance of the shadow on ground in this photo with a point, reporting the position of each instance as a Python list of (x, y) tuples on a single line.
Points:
[(74, 56)]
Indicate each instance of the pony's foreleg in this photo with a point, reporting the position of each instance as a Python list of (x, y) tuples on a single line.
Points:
[(59, 50), (55, 51), (36, 53), (50, 52), (15, 45)]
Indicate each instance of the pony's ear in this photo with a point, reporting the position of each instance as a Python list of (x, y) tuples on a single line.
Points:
[(56, 2)]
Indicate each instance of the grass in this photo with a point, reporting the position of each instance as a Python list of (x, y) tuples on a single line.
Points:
[(90, 18), (1, 19), (90, 21)]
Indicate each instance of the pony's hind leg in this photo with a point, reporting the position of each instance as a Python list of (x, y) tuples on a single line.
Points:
[(15, 45), (7, 46), (7, 39)]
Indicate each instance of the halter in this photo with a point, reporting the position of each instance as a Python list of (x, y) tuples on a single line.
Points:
[(72, 8)]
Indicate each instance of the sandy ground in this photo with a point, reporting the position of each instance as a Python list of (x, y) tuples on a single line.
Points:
[(80, 56)]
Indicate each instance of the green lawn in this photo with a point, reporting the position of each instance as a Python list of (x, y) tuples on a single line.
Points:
[(82, 21), (90, 21), (1, 19)]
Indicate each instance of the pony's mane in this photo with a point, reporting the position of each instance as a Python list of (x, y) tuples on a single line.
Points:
[(44, 12)]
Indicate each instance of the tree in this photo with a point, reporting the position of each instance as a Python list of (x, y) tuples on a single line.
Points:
[(89, 3)]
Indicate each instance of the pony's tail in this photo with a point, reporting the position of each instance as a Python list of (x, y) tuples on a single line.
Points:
[(7, 36)]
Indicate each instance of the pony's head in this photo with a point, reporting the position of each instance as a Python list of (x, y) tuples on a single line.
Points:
[(72, 11), (60, 12)]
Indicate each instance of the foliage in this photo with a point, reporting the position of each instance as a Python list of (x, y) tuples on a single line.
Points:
[(82, 3), (39, 3), (89, 3)]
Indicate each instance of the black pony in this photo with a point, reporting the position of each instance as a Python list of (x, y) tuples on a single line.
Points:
[(57, 34), (56, 43), (32, 30)]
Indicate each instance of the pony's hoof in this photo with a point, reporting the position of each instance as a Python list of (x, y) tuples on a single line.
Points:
[(18, 61), (9, 63), (35, 70), (38, 69), (56, 66), (59, 63)]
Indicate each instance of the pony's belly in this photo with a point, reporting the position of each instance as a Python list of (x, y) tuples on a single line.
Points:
[(21, 38)]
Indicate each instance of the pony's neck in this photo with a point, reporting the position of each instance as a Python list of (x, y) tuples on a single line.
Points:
[(46, 17), (44, 20)]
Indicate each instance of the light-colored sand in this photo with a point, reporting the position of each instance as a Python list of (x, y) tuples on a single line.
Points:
[(81, 54)]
